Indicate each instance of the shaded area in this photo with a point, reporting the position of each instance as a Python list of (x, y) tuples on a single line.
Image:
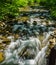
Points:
[(52, 57)]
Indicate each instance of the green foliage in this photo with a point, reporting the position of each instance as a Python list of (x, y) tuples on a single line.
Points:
[(7, 6), (43, 2), (51, 4), (30, 2), (20, 3), (12, 6), (53, 13), (38, 1)]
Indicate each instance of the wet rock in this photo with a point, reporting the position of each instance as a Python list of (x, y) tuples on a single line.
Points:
[(28, 53), (34, 22), (23, 18), (42, 17), (2, 46), (5, 40)]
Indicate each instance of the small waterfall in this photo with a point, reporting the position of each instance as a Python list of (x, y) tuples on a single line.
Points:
[(47, 35), (26, 52), (14, 52), (40, 57)]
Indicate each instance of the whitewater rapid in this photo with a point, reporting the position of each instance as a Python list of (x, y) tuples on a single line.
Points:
[(16, 52)]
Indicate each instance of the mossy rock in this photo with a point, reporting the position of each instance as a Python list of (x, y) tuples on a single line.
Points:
[(23, 18), (2, 46), (24, 8), (5, 40), (48, 52), (1, 56)]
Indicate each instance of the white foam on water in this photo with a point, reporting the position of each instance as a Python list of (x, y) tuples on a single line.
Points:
[(12, 51), (47, 35)]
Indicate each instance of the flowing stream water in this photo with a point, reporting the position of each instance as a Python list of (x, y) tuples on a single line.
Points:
[(27, 49)]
